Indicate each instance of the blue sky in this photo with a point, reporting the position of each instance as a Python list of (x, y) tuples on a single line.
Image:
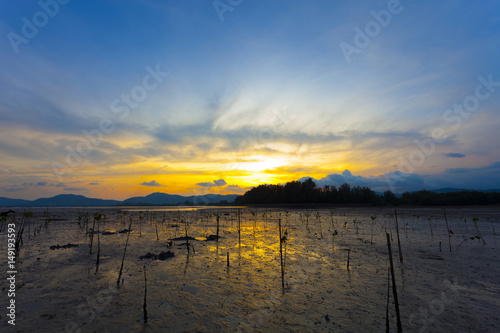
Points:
[(267, 94)]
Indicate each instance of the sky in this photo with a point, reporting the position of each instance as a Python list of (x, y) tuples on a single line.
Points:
[(114, 99)]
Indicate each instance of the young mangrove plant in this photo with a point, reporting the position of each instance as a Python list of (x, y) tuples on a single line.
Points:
[(254, 221), (140, 224), (239, 227), (373, 223), (124, 252), (145, 304), (348, 257), (332, 212), (318, 217), (394, 289), (397, 232), (98, 246), (335, 233), (306, 215), (183, 220), (449, 232), (97, 217), (430, 226), (27, 215), (475, 219), (217, 217), (283, 239)]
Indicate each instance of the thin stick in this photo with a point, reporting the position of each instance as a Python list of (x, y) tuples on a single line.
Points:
[(239, 227), (397, 231), (394, 289), (281, 257), (98, 248), (124, 251), (387, 304), (348, 257), (186, 232), (92, 236), (144, 307), (447, 228), (228, 259), (217, 216)]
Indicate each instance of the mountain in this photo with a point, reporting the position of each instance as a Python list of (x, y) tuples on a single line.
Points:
[(62, 200), (156, 198), (173, 199), (72, 200), (8, 202)]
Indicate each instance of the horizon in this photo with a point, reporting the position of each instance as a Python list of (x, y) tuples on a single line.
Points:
[(192, 99), (174, 194)]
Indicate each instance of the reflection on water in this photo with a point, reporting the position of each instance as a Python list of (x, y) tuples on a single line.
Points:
[(197, 291), (176, 208)]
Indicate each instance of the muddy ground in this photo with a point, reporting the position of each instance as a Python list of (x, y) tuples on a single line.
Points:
[(60, 290)]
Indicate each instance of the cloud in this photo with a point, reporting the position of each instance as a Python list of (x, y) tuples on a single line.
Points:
[(481, 178), (236, 188), (454, 155), (75, 189), (93, 183), (152, 183), (397, 181), (220, 182)]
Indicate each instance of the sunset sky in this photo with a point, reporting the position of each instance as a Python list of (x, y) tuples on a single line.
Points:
[(113, 99)]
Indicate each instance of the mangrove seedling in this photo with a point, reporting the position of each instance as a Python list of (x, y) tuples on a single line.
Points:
[(124, 252), (217, 216), (318, 217), (283, 240), (332, 212), (475, 219), (373, 223)]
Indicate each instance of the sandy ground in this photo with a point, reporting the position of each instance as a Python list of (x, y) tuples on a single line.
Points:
[(59, 290)]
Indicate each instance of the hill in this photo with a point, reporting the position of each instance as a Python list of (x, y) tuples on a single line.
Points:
[(72, 200)]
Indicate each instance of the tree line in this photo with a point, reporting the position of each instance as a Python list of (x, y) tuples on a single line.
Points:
[(306, 192)]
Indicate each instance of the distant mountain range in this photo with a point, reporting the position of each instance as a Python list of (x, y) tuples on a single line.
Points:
[(72, 200), (157, 198)]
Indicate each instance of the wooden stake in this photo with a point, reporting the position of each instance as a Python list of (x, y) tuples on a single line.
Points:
[(239, 227), (144, 307), (124, 251), (348, 257), (447, 228), (281, 257), (394, 289), (397, 231)]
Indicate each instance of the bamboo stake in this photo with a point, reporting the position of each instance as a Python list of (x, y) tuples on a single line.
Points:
[(281, 257), (447, 228), (124, 251), (394, 289), (144, 307), (397, 231)]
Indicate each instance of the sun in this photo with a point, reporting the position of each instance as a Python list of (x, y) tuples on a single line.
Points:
[(259, 163)]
